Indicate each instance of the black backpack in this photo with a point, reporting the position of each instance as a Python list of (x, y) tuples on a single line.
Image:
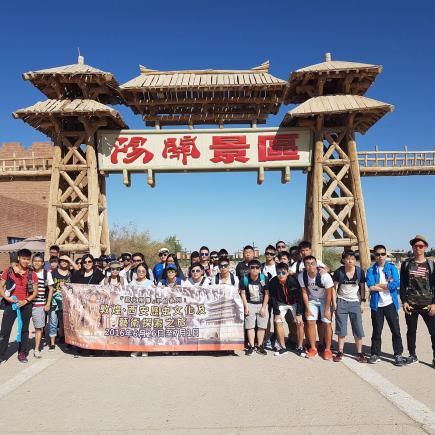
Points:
[(318, 279), (233, 280)]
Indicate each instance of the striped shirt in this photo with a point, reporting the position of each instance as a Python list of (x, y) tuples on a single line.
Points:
[(41, 299)]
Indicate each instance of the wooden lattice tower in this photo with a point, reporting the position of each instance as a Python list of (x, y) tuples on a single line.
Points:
[(334, 109), (77, 209)]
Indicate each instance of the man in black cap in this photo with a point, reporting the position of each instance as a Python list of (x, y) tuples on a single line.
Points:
[(417, 293)]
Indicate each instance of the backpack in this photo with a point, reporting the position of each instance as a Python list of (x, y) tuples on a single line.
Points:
[(262, 279), (318, 279), (233, 280), (342, 275)]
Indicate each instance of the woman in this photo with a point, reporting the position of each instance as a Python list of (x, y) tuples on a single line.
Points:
[(113, 278), (142, 278), (172, 259), (171, 276), (88, 273)]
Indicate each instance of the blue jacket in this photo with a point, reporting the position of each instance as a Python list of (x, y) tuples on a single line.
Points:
[(157, 272), (393, 283)]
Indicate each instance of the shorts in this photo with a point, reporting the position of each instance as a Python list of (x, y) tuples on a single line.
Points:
[(284, 309), (254, 318), (38, 317), (353, 310), (317, 308)]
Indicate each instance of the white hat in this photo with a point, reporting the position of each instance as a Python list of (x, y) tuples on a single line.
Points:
[(163, 250)]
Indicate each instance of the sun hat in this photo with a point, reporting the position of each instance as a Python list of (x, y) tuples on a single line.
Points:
[(161, 250), (420, 238)]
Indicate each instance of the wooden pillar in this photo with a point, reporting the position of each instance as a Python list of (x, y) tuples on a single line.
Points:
[(53, 199), (360, 213), (308, 221), (105, 236), (317, 191)]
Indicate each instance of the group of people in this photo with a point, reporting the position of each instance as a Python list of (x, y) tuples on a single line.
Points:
[(290, 285)]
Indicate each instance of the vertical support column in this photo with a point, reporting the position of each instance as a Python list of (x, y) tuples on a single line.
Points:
[(53, 199), (317, 191), (308, 218), (105, 237), (360, 213)]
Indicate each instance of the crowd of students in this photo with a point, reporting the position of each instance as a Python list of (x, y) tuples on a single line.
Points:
[(289, 286)]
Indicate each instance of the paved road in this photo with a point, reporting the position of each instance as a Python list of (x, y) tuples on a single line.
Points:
[(227, 394)]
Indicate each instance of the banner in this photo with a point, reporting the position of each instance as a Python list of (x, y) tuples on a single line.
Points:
[(135, 318)]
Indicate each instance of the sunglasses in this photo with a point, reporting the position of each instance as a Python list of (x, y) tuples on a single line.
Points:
[(126, 258), (223, 266), (254, 267), (283, 272), (171, 271), (137, 260), (270, 253), (162, 254), (419, 246), (380, 254), (87, 262), (196, 270), (204, 254), (115, 269), (214, 257)]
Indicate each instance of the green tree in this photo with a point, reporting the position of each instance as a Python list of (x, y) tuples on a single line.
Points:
[(173, 244)]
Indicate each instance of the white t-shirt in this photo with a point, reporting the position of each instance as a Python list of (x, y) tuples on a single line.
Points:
[(315, 292), (144, 284), (385, 297), (269, 271), (302, 266), (227, 281), (190, 283)]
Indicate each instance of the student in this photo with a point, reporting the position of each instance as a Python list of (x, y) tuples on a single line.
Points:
[(53, 251), (18, 288), (280, 246), (142, 278), (317, 292), (170, 276), (214, 263), (295, 255), (126, 264), (198, 279), (159, 267), (417, 292), (254, 288), (136, 259), (88, 274), (40, 305), (242, 267), (225, 276), (204, 254), (304, 250), (269, 266), (283, 257), (383, 282), (285, 296), (349, 281), (113, 278), (172, 259), (60, 276), (54, 263)]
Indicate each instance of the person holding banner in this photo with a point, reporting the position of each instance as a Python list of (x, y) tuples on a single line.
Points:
[(141, 279), (198, 279), (88, 274), (114, 278), (171, 278), (225, 276)]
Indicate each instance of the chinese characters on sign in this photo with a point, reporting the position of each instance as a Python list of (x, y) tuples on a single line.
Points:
[(218, 149)]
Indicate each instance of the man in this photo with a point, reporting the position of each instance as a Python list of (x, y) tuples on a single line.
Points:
[(317, 290), (198, 278), (18, 288), (284, 257), (295, 255), (52, 252), (136, 259), (242, 267), (126, 264), (285, 296), (225, 276), (349, 280), (383, 281), (214, 260), (280, 246), (417, 292), (254, 288), (269, 266), (159, 267), (305, 250), (40, 305), (204, 253)]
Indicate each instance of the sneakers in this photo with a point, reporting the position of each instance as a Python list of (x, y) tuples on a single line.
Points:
[(361, 358), (412, 359), (301, 352), (135, 354), (281, 351), (22, 358), (311, 353), (249, 351), (399, 361), (37, 354), (327, 355), (338, 356), (261, 350), (51, 348), (373, 359)]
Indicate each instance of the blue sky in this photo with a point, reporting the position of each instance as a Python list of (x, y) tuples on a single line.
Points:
[(229, 209)]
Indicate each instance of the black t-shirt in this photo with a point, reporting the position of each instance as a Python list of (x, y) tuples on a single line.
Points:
[(255, 290), (79, 278), (242, 269)]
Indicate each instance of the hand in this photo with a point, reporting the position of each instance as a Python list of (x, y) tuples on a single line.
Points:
[(22, 303), (407, 308), (262, 312), (328, 314), (47, 308), (308, 314), (362, 307), (432, 310), (298, 320), (246, 311)]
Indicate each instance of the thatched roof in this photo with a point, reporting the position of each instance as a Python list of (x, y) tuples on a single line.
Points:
[(76, 81), (41, 114), (330, 77), (204, 96), (367, 110)]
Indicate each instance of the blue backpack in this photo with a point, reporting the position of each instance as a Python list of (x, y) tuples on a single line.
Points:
[(262, 279)]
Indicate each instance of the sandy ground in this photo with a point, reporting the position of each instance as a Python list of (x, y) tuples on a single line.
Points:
[(209, 394)]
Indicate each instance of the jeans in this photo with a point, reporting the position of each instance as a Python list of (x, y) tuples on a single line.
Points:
[(390, 313), (411, 323), (53, 322), (9, 316)]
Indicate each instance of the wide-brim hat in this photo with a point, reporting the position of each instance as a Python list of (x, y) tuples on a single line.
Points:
[(417, 238)]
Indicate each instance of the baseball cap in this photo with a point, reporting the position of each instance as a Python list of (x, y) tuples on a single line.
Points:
[(162, 250), (171, 266)]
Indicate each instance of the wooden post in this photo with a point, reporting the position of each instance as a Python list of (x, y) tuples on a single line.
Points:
[(308, 218), (105, 235), (53, 199)]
